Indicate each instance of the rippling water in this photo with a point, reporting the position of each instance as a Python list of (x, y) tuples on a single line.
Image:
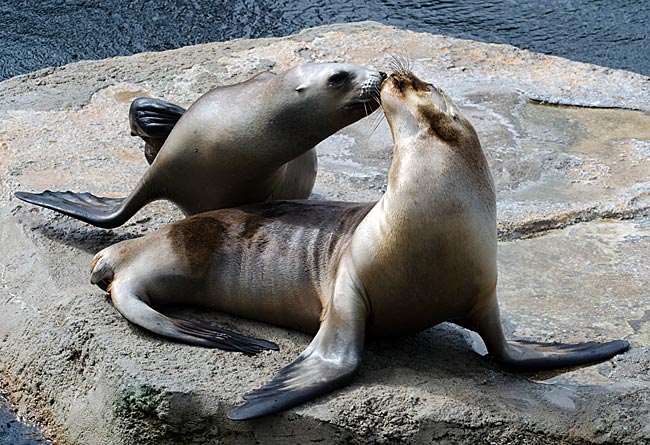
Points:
[(36, 34)]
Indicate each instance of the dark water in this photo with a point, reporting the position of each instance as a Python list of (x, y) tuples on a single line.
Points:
[(12, 432), (35, 34)]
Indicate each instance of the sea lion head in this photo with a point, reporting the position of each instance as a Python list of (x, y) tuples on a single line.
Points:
[(417, 108), (334, 94)]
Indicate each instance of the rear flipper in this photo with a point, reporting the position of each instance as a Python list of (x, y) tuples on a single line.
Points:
[(101, 212), (138, 312), (535, 356), (330, 361), (153, 120)]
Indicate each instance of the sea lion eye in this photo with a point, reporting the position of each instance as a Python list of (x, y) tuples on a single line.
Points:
[(337, 79)]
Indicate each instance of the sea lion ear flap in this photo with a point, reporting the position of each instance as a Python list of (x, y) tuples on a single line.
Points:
[(301, 88)]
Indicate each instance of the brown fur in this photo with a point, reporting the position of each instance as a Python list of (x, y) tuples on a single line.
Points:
[(194, 239)]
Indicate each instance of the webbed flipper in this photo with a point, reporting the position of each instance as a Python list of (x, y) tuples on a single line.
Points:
[(96, 210), (153, 120), (133, 308), (330, 361), (537, 356)]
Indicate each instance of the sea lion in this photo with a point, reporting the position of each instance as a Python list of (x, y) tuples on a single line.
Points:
[(424, 254), (236, 144)]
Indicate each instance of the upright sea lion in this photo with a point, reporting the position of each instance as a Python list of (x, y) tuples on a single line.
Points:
[(424, 254), (235, 145)]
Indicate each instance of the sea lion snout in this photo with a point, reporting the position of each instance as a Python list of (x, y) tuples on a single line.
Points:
[(369, 89), (373, 83)]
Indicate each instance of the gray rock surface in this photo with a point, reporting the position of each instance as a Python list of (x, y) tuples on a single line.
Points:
[(569, 146)]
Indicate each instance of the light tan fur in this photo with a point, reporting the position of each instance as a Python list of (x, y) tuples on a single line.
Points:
[(238, 144), (424, 254)]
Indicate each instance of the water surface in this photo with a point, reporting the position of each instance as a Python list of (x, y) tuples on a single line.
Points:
[(13, 432), (34, 34)]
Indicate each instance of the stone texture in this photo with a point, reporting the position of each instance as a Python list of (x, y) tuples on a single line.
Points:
[(569, 146)]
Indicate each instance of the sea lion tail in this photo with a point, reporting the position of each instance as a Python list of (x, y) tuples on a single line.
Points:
[(96, 210), (536, 356)]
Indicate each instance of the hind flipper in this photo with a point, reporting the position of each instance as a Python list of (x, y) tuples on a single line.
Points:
[(330, 361), (96, 210), (153, 120), (134, 309), (536, 356)]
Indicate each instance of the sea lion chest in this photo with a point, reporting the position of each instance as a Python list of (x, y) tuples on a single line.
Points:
[(424, 263)]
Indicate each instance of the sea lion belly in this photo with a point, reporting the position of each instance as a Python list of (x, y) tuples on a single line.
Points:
[(274, 265)]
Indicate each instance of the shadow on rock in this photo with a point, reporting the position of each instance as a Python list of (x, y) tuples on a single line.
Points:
[(88, 239)]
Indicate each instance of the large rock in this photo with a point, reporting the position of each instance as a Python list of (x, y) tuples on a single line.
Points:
[(571, 161)]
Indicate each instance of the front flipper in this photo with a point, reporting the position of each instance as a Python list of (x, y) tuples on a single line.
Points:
[(537, 356), (96, 210), (131, 306), (153, 120), (330, 361)]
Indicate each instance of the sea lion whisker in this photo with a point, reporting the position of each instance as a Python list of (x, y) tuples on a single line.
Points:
[(376, 125), (377, 121), (400, 65)]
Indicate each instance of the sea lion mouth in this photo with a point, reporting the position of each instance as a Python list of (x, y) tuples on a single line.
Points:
[(370, 95), (364, 102)]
